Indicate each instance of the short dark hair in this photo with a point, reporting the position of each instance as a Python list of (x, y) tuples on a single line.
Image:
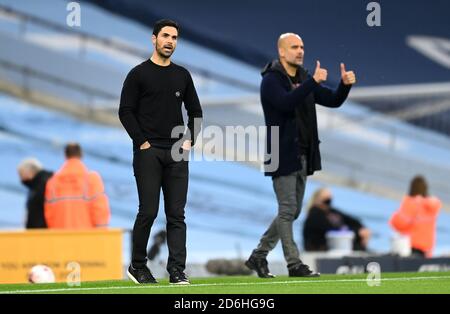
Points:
[(163, 23), (418, 186), (73, 150)]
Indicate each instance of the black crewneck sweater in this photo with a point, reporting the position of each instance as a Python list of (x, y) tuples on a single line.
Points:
[(150, 104)]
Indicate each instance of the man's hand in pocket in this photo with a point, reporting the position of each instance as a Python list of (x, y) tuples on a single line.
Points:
[(146, 145)]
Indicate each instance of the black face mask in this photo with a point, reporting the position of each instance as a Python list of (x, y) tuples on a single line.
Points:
[(327, 202), (27, 183)]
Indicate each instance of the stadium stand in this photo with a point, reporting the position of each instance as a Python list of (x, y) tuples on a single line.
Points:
[(370, 151)]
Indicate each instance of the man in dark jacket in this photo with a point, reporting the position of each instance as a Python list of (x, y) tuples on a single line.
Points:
[(34, 178), (288, 96)]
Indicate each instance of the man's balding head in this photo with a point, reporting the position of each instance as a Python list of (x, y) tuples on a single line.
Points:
[(284, 39), (290, 49)]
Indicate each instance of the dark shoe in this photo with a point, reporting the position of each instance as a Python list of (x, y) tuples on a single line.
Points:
[(260, 266), (302, 270), (178, 277), (141, 275)]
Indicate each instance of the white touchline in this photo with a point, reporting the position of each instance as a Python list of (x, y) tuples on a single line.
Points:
[(219, 284)]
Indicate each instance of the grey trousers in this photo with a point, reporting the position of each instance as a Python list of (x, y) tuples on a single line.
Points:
[(289, 190)]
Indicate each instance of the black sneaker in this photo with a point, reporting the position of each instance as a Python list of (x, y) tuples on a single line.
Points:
[(141, 275), (302, 270), (178, 277), (260, 266)]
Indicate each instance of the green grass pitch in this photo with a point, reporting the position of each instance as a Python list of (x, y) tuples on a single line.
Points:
[(433, 282)]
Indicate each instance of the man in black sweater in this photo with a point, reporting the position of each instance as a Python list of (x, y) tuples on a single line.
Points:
[(150, 111), (288, 96), (35, 178)]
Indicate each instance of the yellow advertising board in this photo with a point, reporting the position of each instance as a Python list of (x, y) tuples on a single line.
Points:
[(94, 254)]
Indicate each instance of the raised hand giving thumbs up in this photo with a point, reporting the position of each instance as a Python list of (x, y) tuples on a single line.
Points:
[(320, 75), (348, 77)]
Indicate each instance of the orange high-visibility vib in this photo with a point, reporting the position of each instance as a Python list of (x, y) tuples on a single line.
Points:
[(417, 218), (75, 198)]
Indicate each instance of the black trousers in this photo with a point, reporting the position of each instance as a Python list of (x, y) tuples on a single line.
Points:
[(154, 168)]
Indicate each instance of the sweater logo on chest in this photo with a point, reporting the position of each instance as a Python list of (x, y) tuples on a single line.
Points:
[(177, 94)]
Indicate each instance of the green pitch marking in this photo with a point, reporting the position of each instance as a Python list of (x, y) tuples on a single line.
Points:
[(352, 284)]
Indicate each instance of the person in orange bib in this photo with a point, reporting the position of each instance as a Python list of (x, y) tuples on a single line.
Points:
[(417, 217), (74, 196)]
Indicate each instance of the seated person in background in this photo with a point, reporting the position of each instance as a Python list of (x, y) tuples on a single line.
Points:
[(417, 217), (322, 217)]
